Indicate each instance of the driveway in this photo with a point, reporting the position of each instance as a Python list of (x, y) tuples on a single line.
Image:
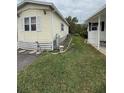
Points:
[(24, 60)]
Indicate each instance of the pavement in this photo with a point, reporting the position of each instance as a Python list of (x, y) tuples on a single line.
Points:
[(24, 60), (101, 49)]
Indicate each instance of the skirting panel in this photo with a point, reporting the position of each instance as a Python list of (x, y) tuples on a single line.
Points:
[(33, 45)]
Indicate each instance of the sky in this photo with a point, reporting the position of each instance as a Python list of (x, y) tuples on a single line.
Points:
[(82, 9)]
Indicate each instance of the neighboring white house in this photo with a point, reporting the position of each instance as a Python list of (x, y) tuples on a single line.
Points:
[(40, 24), (97, 28)]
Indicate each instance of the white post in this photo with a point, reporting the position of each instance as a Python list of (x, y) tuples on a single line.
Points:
[(98, 32), (88, 27), (87, 41)]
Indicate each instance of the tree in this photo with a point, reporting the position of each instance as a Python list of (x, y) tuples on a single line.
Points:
[(76, 28), (83, 31), (72, 22)]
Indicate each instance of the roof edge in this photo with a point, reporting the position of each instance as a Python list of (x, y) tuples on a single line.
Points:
[(102, 8), (43, 3)]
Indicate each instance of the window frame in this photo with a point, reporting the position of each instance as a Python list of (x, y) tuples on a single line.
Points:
[(62, 27), (33, 23), (30, 23), (94, 26), (27, 24)]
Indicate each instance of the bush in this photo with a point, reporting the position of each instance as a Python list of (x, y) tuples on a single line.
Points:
[(85, 34)]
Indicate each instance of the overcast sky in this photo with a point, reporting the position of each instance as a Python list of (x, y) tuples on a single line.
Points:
[(81, 9)]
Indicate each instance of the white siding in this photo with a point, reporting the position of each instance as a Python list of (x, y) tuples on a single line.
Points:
[(93, 35)]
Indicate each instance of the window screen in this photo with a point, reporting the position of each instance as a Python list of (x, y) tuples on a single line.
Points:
[(33, 23), (26, 21)]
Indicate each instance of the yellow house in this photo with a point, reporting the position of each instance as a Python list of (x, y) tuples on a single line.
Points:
[(40, 24)]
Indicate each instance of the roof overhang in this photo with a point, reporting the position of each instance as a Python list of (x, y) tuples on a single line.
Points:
[(21, 4), (96, 13)]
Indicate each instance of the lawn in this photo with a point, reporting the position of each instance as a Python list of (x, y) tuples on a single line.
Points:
[(82, 69)]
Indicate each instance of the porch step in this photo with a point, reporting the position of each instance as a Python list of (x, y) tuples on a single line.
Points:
[(33, 51), (21, 51), (33, 45), (38, 53)]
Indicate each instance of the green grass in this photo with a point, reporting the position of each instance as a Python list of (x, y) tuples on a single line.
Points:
[(81, 69)]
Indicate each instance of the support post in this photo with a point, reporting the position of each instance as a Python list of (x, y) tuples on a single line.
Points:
[(98, 42), (88, 27), (87, 41)]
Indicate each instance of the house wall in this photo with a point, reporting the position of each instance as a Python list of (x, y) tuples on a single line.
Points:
[(44, 34), (49, 25), (93, 35), (57, 27)]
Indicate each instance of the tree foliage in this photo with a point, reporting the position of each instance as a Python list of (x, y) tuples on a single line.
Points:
[(76, 28), (72, 21)]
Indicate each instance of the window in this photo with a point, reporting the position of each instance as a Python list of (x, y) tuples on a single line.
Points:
[(94, 26), (102, 26), (62, 27), (33, 23), (30, 23), (26, 24)]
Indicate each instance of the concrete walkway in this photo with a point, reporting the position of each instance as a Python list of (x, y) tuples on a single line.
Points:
[(101, 49), (24, 60)]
